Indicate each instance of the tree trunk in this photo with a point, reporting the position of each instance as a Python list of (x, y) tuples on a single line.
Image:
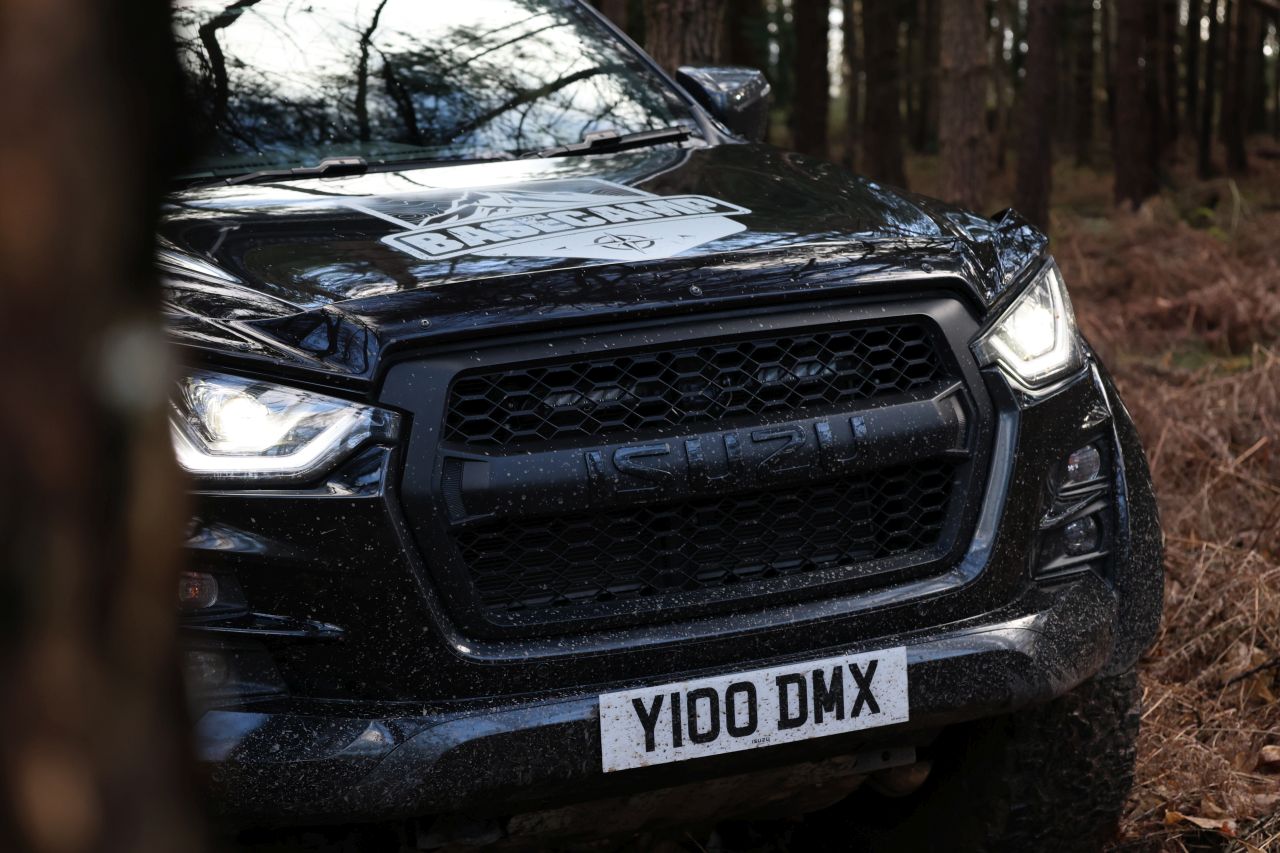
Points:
[(1134, 161), (852, 83), (882, 130), (1234, 117), (748, 31), (90, 510), (782, 63), (1191, 60), (617, 11), (1204, 139), (684, 32), (1275, 82), (1255, 81), (962, 137), (1107, 41), (912, 62), (924, 131), (1036, 113), (1081, 28), (1227, 71), (1169, 68), (1155, 120), (1225, 62), (809, 115), (1002, 79)]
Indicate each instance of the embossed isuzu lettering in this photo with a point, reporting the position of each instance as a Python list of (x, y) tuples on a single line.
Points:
[(758, 455)]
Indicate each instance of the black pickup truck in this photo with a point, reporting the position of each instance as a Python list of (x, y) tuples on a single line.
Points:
[(568, 463)]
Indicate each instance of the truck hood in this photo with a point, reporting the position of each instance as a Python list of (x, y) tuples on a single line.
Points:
[(283, 270)]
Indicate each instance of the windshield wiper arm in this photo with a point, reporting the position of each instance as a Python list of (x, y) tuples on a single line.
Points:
[(326, 168), (611, 140)]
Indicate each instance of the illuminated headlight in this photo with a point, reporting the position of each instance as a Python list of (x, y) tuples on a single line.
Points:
[(231, 428), (1035, 339)]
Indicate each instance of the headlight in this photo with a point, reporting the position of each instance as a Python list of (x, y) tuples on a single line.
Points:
[(1035, 339), (231, 428)]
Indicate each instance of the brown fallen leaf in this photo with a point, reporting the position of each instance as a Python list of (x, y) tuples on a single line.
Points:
[(1269, 757), (1225, 825)]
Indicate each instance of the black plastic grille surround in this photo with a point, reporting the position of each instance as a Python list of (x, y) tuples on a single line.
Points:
[(788, 451), (683, 385), (703, 544)]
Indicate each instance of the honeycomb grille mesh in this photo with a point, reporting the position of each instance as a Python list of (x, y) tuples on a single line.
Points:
[(679, 386), (704, 544)]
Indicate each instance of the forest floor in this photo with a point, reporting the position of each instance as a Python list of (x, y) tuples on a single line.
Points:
[(1182, 299)]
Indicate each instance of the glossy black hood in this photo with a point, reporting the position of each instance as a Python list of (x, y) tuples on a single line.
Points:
[(326, 274)]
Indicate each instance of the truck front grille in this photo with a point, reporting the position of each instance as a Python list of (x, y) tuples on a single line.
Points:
[(703, 544), (674, 470), (689, 385)]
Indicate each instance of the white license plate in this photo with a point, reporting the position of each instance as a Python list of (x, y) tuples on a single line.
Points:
[(752, 709)]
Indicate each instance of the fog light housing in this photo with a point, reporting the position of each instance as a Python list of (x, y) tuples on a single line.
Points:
[(1080, 536), (197, 591), (1083, 466)]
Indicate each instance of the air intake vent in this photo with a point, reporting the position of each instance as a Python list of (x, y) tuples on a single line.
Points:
[(571, 560)]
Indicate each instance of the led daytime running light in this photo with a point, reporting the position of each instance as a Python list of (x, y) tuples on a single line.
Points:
[(227, 427), (1035, 340)]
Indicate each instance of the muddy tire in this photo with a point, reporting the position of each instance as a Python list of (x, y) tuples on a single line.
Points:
[(1050, 778)]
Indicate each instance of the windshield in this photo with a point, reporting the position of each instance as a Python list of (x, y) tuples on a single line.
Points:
[(278, 84)]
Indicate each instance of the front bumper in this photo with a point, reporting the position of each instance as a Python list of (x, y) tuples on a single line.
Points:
[(283, 766), (997, 640)]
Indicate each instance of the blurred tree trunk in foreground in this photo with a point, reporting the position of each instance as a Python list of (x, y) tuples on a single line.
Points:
[(684, 32), (809, 114), (962, 130), (90, 509), (1037, 112), (882, 128)]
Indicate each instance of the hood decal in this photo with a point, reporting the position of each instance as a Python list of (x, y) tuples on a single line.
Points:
[(584, 218)]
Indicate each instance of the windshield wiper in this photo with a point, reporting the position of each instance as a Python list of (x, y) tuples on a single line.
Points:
[(326, 168), (334, 166), (611, 140)]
